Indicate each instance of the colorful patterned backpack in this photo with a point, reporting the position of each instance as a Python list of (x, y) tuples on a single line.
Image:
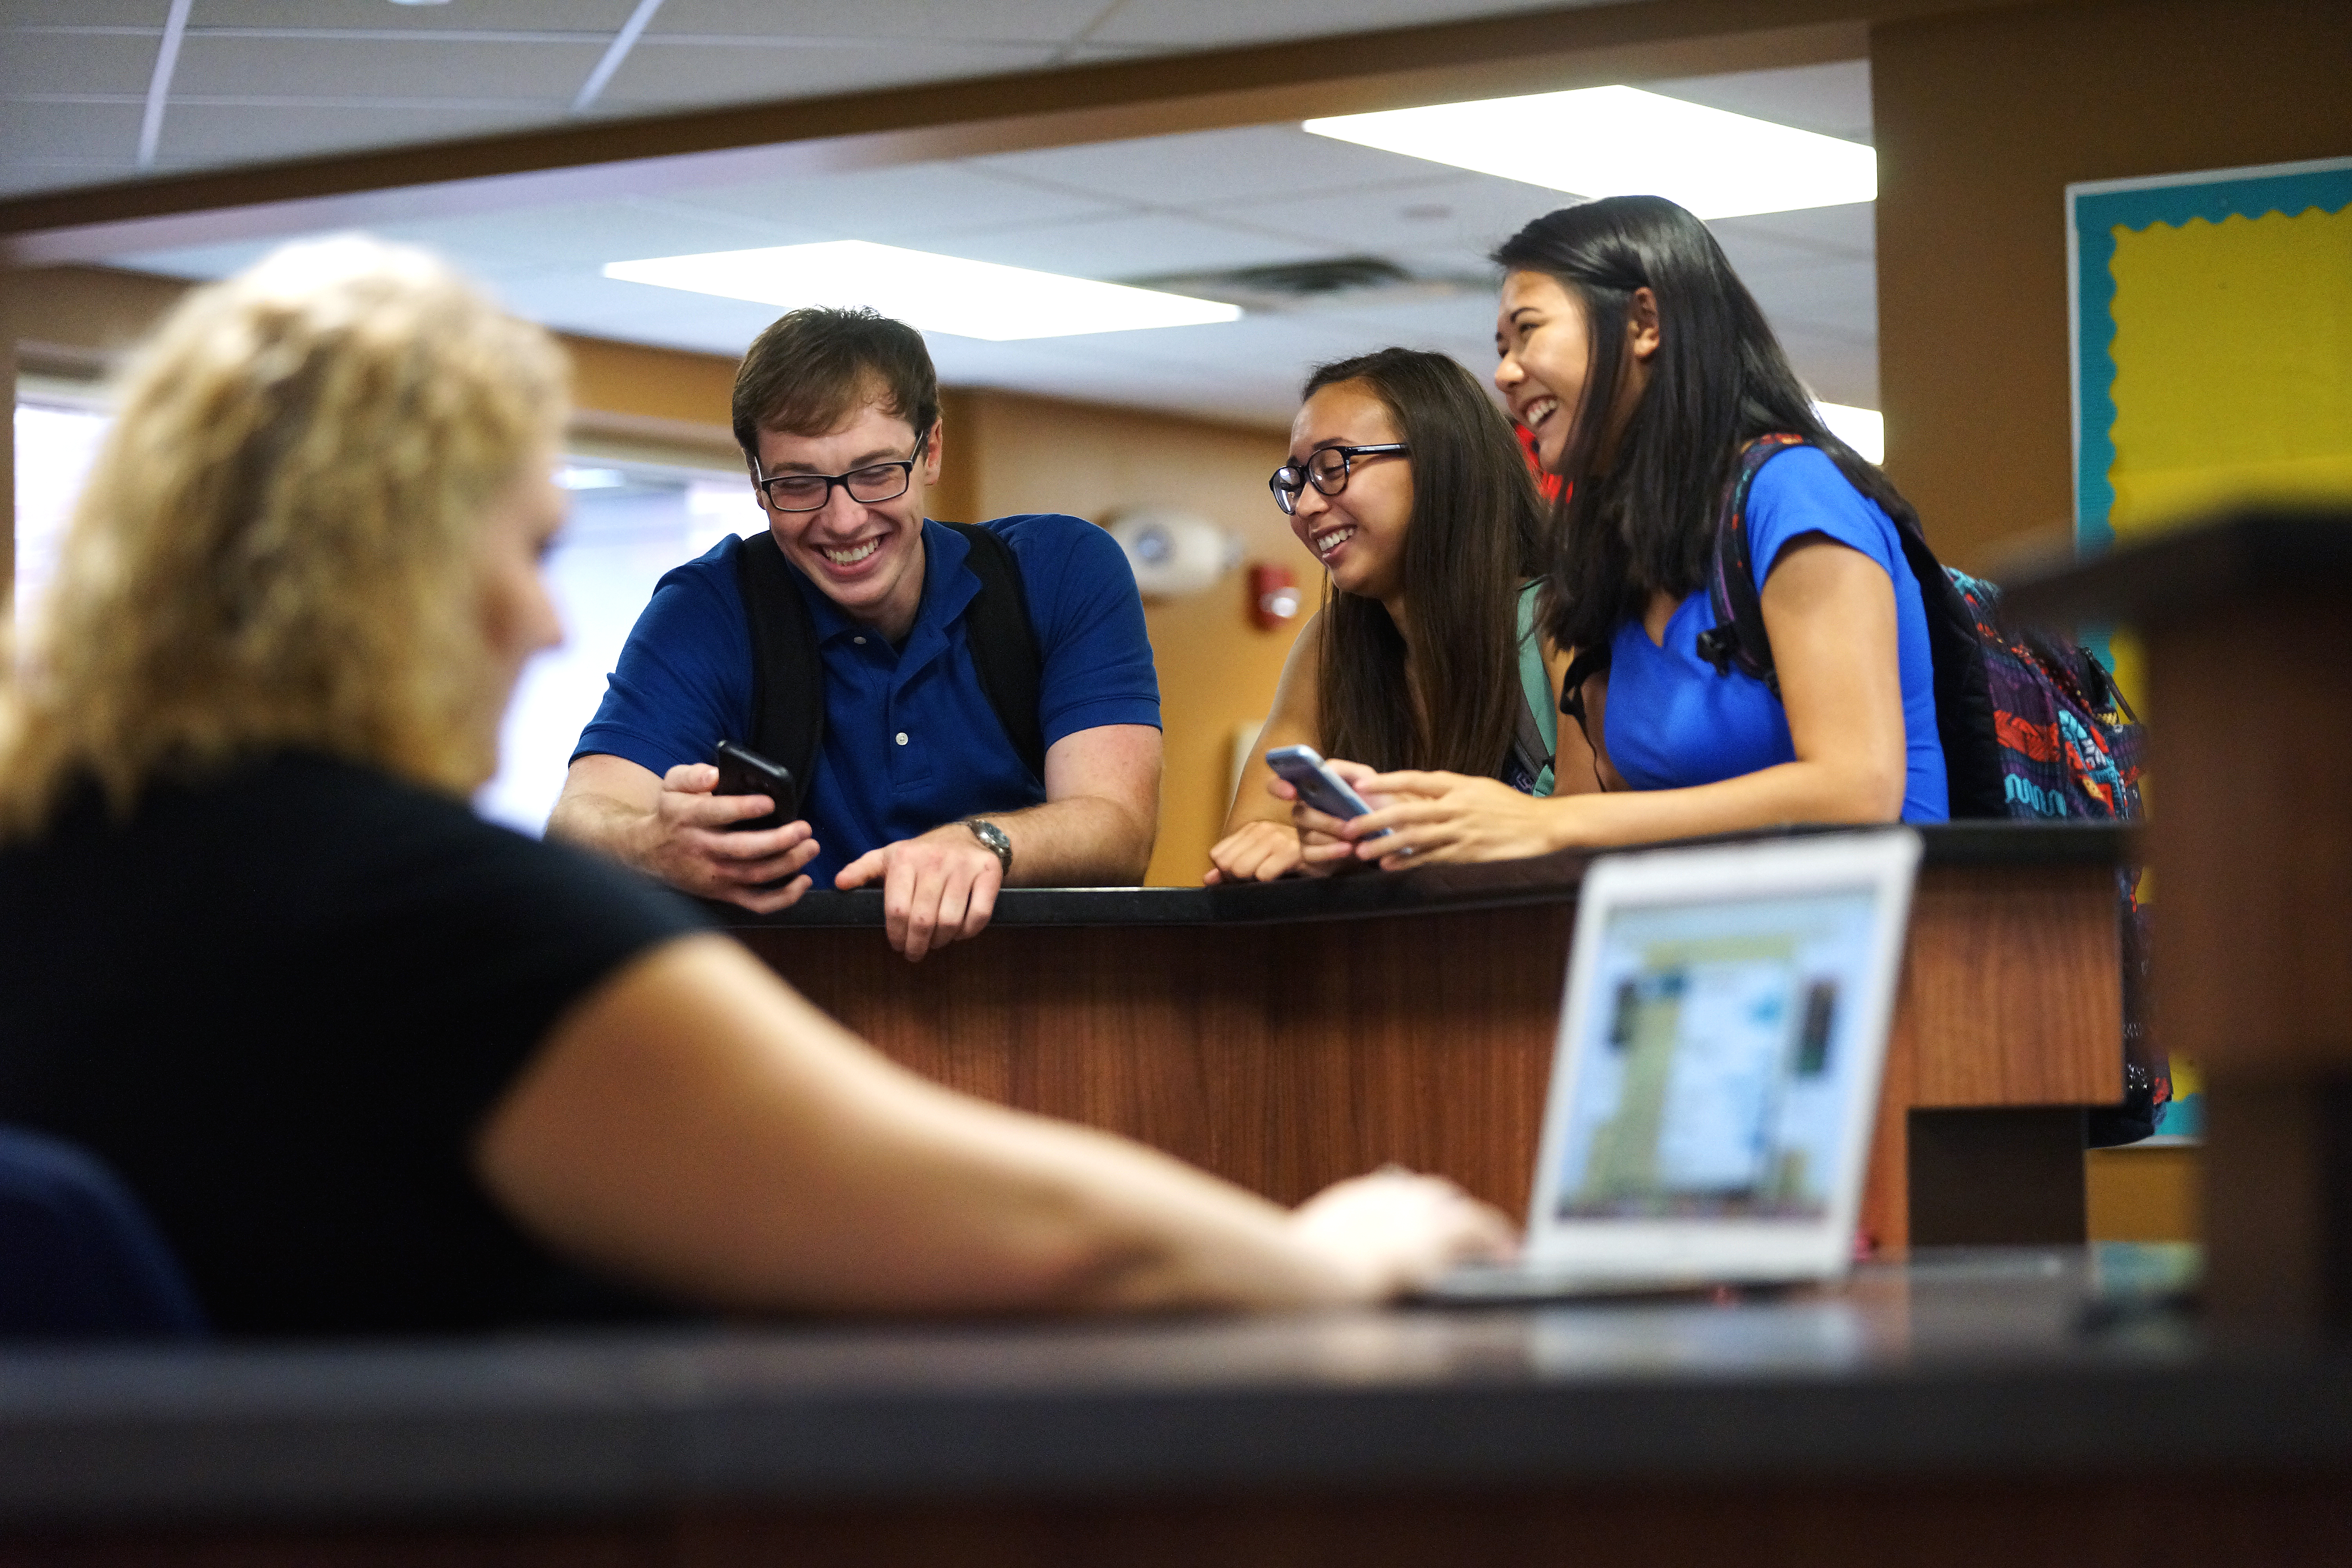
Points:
[(2031, 727)]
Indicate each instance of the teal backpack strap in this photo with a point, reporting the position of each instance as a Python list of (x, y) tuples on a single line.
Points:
[(1538, 740)]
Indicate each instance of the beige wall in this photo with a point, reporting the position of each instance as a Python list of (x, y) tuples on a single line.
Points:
[(1008, 453), (1982, 120)]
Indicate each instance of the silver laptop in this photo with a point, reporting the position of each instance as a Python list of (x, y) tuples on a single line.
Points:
[(1717, 1074)]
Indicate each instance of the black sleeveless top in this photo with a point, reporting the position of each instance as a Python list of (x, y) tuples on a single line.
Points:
[(280, 1001)]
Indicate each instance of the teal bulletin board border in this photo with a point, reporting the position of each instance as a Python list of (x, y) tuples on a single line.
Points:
[(2094, 211)]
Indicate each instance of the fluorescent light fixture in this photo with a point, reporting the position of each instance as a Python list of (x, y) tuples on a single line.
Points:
[(1863, 429), (1620, 140), (576, 478), (936, 293)]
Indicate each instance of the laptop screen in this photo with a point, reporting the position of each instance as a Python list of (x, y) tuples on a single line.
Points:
[(1720, 1057)]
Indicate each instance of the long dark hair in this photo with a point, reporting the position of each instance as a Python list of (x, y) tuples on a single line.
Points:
[(1477, 533), (1717, 380)]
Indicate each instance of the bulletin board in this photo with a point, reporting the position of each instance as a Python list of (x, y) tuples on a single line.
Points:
[(2212, 327), (2211, 316)]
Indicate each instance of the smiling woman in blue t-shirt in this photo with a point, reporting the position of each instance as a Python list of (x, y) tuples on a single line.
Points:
[(1642, 367)]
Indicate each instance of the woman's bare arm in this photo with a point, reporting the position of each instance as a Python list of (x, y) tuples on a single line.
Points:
[(1574, 768), (696, 1125), (1830, 613), (1257, 843)]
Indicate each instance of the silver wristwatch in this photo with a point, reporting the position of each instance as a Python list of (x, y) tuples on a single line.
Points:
[(993, 838)]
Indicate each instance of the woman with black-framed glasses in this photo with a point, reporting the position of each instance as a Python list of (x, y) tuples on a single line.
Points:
[(1409, 487)]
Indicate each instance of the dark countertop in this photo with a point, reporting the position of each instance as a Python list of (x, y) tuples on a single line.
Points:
[(1965, 1363), (2186, 571), (1543, 878)]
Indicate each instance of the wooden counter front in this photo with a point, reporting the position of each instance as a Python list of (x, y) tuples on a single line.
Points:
[(1289, 1036)]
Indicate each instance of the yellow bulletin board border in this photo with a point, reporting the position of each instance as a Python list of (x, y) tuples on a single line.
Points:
[(2096, 210)]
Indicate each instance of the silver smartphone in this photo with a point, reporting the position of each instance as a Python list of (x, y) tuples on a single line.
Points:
[(1304, 768)]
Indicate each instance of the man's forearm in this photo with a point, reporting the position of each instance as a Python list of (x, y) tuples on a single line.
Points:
[(1082, 841), (593, 821)]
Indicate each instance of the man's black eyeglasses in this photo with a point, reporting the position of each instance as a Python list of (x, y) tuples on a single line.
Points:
[(874, 483), (1327, 470)]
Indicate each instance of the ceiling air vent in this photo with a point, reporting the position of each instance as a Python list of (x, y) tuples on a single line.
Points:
[(1337, 282)]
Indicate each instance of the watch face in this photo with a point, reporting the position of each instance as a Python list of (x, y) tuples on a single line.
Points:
[(993, 837)]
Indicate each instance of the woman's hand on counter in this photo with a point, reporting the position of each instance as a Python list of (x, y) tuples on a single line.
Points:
[(1255, 852), (1393, 1231), (1440, 816), (1321, 849)]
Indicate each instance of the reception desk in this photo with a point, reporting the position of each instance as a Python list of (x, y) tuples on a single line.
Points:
[(1289, 1034), (1959, 1411)]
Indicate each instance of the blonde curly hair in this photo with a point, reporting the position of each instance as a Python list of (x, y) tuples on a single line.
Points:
[(277, 546)]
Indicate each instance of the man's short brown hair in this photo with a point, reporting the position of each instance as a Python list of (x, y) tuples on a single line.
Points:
[(812, 369)]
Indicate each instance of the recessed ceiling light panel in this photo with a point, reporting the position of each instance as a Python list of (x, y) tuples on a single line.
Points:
[(935, 293), (1620, 140)]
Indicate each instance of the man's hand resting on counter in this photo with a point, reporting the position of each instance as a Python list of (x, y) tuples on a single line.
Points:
[(935, 889)]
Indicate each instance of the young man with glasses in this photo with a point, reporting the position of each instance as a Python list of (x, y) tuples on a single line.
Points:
[(988, 713)]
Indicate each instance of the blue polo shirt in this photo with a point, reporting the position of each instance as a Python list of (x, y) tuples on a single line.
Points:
[(910, 740)]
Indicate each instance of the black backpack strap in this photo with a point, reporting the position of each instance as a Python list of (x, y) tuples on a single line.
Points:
[(1738, 639), (787, 679), (1964, 718), (1974, 780), (1582, 666), (1003, 643)]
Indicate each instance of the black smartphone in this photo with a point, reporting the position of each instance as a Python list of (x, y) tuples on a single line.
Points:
[(742, 771)]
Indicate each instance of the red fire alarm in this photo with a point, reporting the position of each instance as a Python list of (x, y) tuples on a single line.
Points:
[(1273, 596)]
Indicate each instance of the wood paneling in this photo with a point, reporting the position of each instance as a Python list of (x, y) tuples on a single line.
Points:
[(1282, 1058), (2013, 971), (1286, 1056)]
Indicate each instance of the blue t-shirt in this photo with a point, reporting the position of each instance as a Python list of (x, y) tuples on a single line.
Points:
[(910, 739), (1672, 721)]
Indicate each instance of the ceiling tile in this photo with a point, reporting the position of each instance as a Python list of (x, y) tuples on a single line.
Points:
[(70, 131), (1130, 245), (676, 75), (604, 307), (62, 62), (196, 134), (19, 179), (1462, 325), (334, 67), (1051, 22), (1212, 166), (473, 15), (1847, 232), (1842, 296), (1458, 212), (1833, 99), (902, 206), (195, 261), (1193, 24), (1838, 368), (1227, 198), (22, 13), (581, 236)]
